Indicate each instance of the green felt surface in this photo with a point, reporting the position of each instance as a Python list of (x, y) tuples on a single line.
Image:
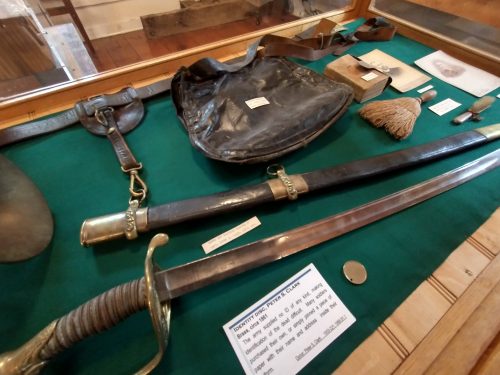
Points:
[(80, 177)]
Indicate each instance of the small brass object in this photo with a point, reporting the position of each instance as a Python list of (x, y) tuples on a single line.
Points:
[(355, 272), (138, 189), (119, 225), (490, 132), (277, 170), (27, 360), (131, 221)]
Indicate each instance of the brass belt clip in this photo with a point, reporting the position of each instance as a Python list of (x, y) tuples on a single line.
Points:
[(277, 170), (101, 115), (138, 191), (138, 188)]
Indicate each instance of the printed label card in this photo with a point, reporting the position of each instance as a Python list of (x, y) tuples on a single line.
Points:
[(290, 326)]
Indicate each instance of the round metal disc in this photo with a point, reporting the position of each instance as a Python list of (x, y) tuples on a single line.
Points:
[(355, 272), (26, 224)]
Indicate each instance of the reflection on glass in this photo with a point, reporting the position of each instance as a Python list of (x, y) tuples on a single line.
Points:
[(49, 42), (471, 22)]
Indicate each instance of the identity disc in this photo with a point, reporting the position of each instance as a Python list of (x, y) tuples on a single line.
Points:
[(355, 272)]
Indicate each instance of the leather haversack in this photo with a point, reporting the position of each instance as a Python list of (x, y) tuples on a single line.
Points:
[(216, 104)]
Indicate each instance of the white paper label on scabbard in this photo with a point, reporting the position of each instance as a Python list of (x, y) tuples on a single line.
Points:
[(369, 76), (230, 235), (444, 106), (257, 102), (291, 325)]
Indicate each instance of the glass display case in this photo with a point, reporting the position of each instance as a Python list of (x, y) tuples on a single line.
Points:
[(470, 30), (426, 268), (88, 38), (98, 46)]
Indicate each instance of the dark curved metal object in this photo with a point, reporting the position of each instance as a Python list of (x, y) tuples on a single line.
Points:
[(26, 224)]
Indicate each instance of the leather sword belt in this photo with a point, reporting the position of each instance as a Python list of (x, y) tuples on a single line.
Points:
[(126, 104), (109, 115)]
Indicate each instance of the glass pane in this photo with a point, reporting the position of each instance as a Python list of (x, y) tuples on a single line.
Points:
[(475, 23), (49, 42)]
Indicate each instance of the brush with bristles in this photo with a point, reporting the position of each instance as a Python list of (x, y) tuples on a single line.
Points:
[(473, 112), (396, 116)]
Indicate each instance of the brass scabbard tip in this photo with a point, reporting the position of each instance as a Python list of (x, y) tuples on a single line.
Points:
[(110, 227)]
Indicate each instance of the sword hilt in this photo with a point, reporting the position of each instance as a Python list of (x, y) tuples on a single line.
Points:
[(97, 315)]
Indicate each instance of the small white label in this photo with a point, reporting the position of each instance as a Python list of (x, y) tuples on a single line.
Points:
[(498, 96), (286, 329), (230, 235), (369, 76), (424, 89), (445, 106), (256, 102)]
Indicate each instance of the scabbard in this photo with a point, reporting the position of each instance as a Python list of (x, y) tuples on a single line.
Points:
[(117, 225)]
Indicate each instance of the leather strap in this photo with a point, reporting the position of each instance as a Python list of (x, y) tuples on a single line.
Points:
[(319, 41), (311, 45), (375, 29), (122, 151), (85, 107)]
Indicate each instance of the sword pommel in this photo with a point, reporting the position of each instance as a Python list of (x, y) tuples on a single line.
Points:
[(109, 227), (27, 360)]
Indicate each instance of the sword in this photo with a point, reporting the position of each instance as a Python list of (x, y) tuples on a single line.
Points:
[(139, 220), (159, 287)]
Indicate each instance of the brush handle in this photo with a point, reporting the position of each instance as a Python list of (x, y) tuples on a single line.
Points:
[(429, 95)]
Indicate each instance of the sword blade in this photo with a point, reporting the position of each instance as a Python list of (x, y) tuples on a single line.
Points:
[(181, 280)]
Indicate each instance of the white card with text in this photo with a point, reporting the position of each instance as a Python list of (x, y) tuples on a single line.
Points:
[(230, 235), (290, 326), (444, 106), (256, 102)]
